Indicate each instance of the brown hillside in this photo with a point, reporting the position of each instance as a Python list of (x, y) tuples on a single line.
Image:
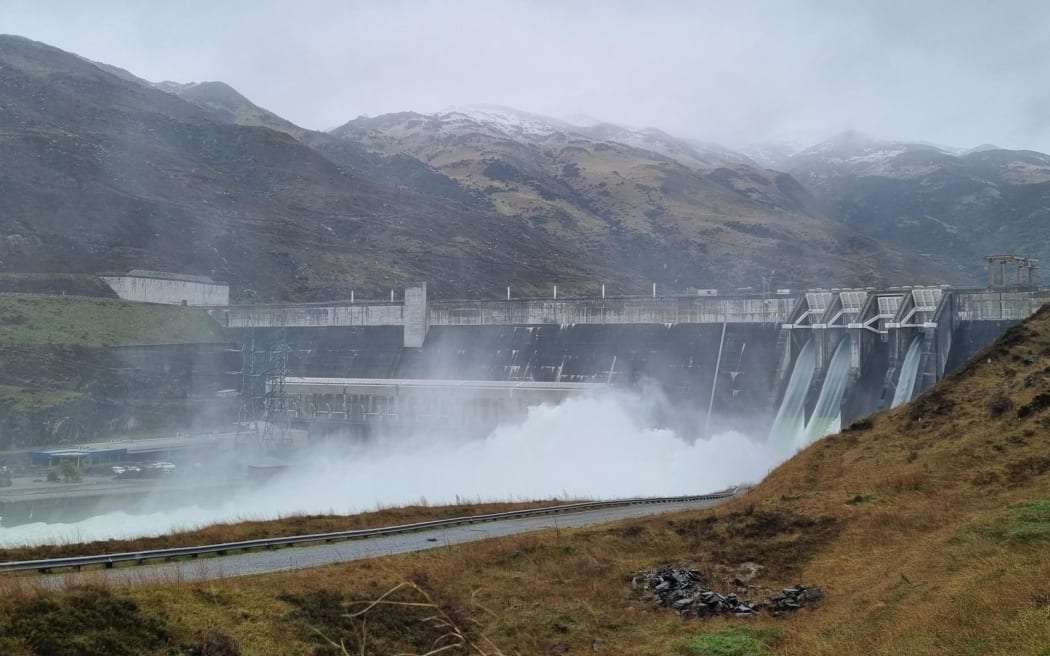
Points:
[(102, 173), (687, 218)]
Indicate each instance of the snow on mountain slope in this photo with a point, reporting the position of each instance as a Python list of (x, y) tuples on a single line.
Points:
[(497, 119)]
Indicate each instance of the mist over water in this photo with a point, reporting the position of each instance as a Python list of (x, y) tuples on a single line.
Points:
[(596, 447)]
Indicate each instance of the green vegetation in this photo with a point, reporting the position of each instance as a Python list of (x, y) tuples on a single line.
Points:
[(1019, 524), (63, 320), (70, 472), (19, 400), (732, 641), (1028, 521)]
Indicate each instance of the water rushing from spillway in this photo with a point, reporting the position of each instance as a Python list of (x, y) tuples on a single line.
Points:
[(827, 415), (790, 429), (909, 372), (599, 446), (791, 417)]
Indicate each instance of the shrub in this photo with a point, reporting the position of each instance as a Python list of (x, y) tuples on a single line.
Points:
[(862, 424), (858, 498), (70, 472), (1037, 404), (215, 643), (85, 621), (999, 406)]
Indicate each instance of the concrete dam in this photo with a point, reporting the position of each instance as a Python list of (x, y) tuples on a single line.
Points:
[(809, 361), (790, 366)]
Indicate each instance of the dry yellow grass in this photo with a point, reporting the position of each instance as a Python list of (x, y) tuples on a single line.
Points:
[(928, 526)]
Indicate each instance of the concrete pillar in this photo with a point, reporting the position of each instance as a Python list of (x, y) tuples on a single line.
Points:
[(856, 354), (414, 315)]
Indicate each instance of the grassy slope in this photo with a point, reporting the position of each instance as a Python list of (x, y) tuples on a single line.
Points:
[(27, 320), (928, 526), (19, 400), (45, 335)]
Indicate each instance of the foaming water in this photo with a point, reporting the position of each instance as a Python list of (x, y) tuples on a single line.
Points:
[(827, 415), (909, 373), (790, 421), (587, 447)]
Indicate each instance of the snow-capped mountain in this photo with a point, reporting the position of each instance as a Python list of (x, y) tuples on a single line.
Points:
[(853, 153), (643, 199), (517, 124), (772, 154), (960, 205)]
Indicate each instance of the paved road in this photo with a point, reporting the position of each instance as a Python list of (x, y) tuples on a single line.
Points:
[(260, 562)]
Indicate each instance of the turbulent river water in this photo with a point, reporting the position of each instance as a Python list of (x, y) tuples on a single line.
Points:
[(588, 447)]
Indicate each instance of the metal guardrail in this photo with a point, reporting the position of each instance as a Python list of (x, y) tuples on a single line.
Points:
[(139, 557)]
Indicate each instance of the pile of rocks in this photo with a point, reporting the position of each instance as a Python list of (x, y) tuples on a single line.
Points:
[(794, 598), (684, 591)]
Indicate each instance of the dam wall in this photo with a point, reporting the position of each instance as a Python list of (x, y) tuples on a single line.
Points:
[(643, 310), (732, 354)]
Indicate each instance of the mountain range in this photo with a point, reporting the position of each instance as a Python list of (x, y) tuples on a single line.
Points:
[(101, 170)]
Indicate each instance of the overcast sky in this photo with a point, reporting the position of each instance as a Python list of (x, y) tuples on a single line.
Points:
[(955, 72)]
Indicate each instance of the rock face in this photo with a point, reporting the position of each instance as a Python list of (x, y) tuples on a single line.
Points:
[(684, 591), (954, 206)]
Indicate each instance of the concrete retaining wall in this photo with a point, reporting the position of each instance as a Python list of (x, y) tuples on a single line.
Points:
[(315, 316), (998, 306), (169, 291)]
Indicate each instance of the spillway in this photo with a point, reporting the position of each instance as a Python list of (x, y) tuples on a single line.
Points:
[(791, 417), (909, 372), (827, 415)]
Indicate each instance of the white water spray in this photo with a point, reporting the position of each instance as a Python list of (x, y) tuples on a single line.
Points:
[(586, 447), (827, 415), (909, 373), (791, 417)]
